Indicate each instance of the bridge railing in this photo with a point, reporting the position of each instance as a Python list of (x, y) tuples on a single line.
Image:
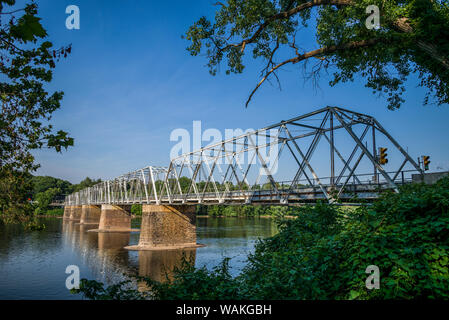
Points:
[(141, 191)]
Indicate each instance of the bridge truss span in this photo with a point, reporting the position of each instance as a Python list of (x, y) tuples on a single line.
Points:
[(329, 154)]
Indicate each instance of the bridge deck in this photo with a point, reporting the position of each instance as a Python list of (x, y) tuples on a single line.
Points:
[(352, 194)]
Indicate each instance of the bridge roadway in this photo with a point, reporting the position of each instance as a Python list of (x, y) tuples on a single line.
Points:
[(248, 169), (298, 196)]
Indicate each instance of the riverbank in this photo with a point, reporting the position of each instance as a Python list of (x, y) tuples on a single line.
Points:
[(221, 211), (262, 216), (57, 212)]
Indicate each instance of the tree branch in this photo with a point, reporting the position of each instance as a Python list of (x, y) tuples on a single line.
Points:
[(11, 12), (311, 54), (400, 24), (285, 15), (403, 25)]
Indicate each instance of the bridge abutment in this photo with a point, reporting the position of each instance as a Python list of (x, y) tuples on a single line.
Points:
[(167, 227), (114, 218), (90, 214), (75, 213)]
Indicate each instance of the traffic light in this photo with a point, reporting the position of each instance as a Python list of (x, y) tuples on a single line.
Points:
[(383, 155), (426, 162)]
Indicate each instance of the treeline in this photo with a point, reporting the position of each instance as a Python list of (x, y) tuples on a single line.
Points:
[(44, 190), (235, 211), (185, 185), (245, 211), (22, 194), (44, 183)]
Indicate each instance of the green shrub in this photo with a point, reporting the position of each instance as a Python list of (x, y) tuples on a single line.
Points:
[(136, 209), (34, 226), (55, 212), (44, 199), (323, 254)]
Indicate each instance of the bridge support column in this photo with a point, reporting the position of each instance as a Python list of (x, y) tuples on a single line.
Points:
[(75, 213), (114, 218), (167, 227), (67, 211), (90, 214)]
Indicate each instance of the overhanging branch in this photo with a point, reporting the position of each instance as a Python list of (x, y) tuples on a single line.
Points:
[(312, 54), (285, 15)]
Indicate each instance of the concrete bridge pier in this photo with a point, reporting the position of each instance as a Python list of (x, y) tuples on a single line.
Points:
[(115, 218), (167, 227), (67, 211), (75, 213), (90, 214)]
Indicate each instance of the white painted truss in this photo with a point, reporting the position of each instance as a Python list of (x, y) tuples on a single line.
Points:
[(273, 165)]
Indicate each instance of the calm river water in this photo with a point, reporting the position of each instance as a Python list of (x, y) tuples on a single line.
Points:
[(33, 264)]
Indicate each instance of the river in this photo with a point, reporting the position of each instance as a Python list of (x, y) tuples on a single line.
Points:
[(33, 264)]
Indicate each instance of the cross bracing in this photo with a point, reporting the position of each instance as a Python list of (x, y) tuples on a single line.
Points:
[(278, 164)]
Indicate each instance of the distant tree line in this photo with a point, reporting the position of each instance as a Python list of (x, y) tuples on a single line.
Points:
[(43, 190), (235, 210), (47, 189)]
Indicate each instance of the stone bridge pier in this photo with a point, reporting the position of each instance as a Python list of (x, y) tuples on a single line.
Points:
[(72, 213), (90, 214), (167, 227), (67, 212), (114, 218)]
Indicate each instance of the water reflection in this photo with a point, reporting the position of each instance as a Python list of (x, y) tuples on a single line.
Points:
[(105, 256), (33, 264), (159, 265)]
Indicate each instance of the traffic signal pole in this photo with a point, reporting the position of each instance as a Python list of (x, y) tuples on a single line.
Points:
[(376, 156)]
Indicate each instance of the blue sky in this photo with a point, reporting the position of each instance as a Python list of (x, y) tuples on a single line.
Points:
[(129, 82)]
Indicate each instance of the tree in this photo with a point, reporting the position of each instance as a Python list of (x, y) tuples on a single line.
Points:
[(43, 183), (185, 183), (413, 38), (27, 60), (15, 187), (86, 183), (45, 198)]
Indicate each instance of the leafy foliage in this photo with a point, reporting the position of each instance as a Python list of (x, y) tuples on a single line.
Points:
[(95, 290), (27, 60), (324, 252), (247, 211), (136, 209), (86, 183), (55, 212), (34, 225), (44, 199), (413, 38), (192, 283), (15, 186), (43, 183), (46, 189)]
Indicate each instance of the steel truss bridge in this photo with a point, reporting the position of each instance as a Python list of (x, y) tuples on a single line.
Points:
[(274, 165)]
